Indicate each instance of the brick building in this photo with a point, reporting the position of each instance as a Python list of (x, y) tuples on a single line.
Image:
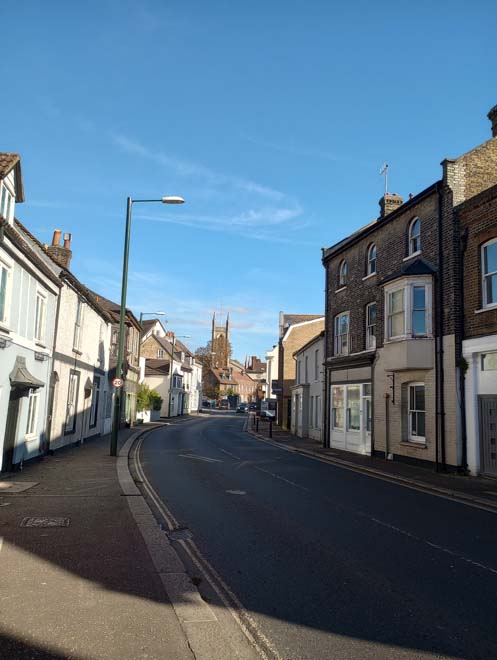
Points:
[(393, 322), (295, 330), (477, 221)]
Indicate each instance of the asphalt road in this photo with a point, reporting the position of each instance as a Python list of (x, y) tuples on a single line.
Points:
[(328, 562)]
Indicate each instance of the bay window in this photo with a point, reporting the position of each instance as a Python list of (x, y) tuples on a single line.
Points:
[(408, 308)]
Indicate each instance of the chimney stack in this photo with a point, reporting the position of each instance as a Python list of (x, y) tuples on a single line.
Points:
[(389, 202), (492, 115), (61, 254)]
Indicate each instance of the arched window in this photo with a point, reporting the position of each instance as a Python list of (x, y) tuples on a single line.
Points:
[(342, 277), (371, 265), (415, 236)]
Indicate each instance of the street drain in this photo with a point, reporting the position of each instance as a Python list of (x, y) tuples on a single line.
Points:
[(180, 534), (45, 522)]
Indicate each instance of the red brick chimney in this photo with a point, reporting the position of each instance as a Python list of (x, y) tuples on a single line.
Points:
[(61, 253), (389, 202), (492, 115)]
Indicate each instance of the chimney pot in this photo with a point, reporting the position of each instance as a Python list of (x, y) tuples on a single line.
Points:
[(492, 115), (56, 237), (67, 241)]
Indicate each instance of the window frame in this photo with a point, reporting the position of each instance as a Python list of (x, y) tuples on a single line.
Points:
[(485, 276), (414, 237), (7, 202), (419, 439), (337, 335), (316, 365), (6, 266), (371, 336), (33, 410), (40, 323), (408, 285), (306, 369), (74, 377), (95, 400), (78, 323), (370, 268), (343, 273)]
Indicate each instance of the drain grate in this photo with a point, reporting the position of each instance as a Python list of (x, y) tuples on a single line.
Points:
[(45, 522), (180, 534)]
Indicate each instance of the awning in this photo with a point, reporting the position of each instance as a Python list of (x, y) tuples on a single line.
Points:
[(20, 376)]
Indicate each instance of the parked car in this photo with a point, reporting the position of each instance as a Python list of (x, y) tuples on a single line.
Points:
[(206, 404), (241, 408), (252, 406)]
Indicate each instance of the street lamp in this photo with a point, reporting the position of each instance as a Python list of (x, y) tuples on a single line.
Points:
[(142, 314), (171, 371), (122, 314)]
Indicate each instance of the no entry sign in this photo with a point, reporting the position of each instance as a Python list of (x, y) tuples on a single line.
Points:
[(118, 382)]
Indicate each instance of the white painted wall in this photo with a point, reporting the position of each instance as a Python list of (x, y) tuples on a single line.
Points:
[(310, 425)]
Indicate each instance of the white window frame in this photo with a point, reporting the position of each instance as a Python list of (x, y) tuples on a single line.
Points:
[(333, 416), (414, 437), (7, 202), (371, 335), (407, 284), (77, 325), (6, 267), (339, 346), (40, 316), (371, 265), (160, 353), (485, 276), (414, 239), (95, 400), (33, 407), (316, 365), (343, 273), (72, 402)]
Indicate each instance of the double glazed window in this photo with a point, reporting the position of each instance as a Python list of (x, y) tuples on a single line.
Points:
[(32, 412), (408, 312), (342, 334), (371, 325), (415, 236), (40, 317), (4, 280), (371, 265), (416, 413), (343, 274), (489, 273)]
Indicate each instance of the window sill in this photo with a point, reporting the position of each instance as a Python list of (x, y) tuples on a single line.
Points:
[(489, 308), (417, 444), (39, 343), (31, 437), (77, 351), (395, 340), (342, 288), (411, 256), (5, 329), (368, 277)]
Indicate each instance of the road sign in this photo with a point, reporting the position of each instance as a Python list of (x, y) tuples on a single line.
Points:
[(118, 382)]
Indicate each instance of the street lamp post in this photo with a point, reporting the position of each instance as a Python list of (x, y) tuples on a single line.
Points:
[(171, 370), (122, 314)]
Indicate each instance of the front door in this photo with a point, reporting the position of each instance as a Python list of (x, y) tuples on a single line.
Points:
[(488, 434), (9, 444), (366, 423)]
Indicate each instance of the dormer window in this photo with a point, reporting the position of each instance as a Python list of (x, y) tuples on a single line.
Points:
[(415, 237), (6, 202), (371, 265), (343, 273)]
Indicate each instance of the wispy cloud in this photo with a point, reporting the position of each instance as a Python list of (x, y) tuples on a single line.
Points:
[(188, 168)]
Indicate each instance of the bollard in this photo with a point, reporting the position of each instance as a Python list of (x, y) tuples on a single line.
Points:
[(257, 424), (270, 428)]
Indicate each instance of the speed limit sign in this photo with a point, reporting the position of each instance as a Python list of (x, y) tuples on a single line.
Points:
[(118, 382)]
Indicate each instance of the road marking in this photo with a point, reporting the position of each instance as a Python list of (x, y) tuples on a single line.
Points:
[(236, 492), (225, 451), (249, 628), (277, 476), (201, 458)]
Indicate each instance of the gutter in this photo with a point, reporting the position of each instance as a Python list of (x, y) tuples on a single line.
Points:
[(440, 353)]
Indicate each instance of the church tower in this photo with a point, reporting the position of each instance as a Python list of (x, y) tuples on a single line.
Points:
[(221, 346)]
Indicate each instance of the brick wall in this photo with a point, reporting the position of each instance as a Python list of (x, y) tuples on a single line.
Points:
[(478, 217)]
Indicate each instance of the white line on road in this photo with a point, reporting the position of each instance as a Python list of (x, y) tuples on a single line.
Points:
[(225, 451), (201, 458), (277, 476)]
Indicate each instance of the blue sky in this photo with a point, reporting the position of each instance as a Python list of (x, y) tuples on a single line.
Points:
[(272, 119)]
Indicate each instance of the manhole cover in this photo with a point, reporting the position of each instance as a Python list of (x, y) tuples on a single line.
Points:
[(181, 534), (45, 522)]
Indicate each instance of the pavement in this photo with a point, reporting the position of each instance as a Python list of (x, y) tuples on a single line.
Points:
[(76, 574), (475, 491)]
